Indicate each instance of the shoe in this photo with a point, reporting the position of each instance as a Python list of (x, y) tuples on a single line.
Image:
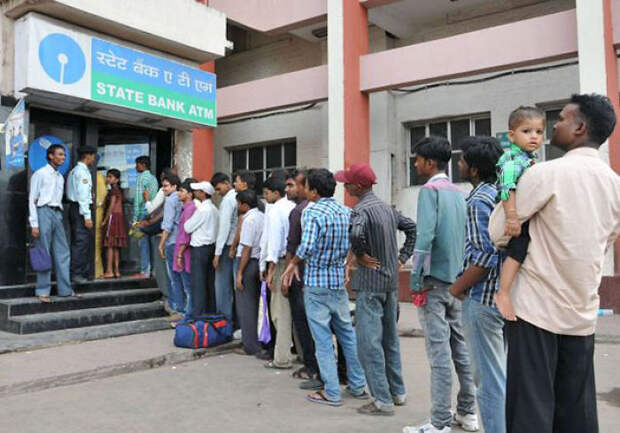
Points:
[(399, 400), (372, 409), (468, 422), (426, 428), (311, 384), (237, 334), (263, 355), (360, 395), (79, 280)]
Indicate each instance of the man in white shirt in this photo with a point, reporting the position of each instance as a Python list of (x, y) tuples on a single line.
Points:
[(573, 207), (48, 231), (223, 262), (276, 237), (203, 228)]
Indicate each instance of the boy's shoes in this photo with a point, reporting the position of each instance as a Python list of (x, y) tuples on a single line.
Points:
[(372, 409), (468, 422), (399, 400), (426, 428)]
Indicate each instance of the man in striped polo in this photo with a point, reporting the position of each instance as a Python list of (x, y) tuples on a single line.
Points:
[(374, 250)]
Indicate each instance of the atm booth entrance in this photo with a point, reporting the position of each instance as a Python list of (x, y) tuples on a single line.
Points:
[(118, 145)]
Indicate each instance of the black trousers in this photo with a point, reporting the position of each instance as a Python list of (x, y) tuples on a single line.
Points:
[(246, 301), (517, 247), (550, 384), (203, 280), (81, 244), (300, 322)]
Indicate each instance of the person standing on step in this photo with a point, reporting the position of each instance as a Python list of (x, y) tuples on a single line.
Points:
[(223, 260), (202, 226), (145, 182), (113, 227), (374, 250), (46, 223), (80, 196), (277, 232)]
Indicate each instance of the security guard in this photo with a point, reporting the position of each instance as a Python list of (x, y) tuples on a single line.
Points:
[(80, 196)]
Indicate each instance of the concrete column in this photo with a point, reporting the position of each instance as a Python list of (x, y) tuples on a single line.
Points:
[(204, 142), (598, 74), (349, 131)]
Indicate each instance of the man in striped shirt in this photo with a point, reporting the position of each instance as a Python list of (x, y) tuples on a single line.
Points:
[(476, 286), (324, 247), (375, 249)]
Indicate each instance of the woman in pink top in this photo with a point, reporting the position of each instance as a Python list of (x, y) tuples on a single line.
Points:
[(181, 247)]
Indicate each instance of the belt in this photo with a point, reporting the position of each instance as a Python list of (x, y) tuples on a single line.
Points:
[(56, 208)]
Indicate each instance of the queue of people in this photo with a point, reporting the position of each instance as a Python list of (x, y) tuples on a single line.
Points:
[(505, 277)]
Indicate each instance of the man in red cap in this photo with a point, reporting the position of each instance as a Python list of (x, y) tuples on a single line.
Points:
[(374, 249)]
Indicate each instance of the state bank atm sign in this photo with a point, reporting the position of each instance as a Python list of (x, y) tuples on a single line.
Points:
[(52, 57)]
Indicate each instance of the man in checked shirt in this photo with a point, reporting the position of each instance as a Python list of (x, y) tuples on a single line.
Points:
[(375, 249)]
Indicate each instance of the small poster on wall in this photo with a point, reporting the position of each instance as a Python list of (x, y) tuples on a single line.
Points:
[(16, 136), (123, 157)]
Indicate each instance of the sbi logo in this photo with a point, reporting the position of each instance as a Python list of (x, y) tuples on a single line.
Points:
[(62, 58)]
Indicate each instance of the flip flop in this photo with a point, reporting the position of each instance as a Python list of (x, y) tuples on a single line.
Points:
[(322, 399)]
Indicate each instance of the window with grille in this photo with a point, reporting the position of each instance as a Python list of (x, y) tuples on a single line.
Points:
[(455, 130), (263, 159), (547, 152)]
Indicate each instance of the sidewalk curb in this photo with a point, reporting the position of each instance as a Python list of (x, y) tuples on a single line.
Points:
[(599, 339), (172, 358)]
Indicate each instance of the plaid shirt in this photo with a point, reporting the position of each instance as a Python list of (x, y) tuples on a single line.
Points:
[(146, 181), (479, 250), (324, 243), (511, 166)]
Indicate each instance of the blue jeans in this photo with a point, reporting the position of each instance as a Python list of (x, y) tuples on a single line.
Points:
[(224, 285), (175, 292), (145, 255), (328, 309), (378, 346), (53, 239), (440, 318), (186, 280), (484, 332)]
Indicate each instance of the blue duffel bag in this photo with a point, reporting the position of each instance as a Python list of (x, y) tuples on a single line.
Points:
[(209, 330)]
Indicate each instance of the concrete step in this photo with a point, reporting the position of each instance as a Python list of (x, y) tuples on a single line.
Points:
[(27, 290), (31, 323), (10, 308)]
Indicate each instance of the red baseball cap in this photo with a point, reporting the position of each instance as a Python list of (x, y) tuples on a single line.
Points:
[(358, 174)]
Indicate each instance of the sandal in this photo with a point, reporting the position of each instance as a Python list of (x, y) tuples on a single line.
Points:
[(360, 396), (320, 398), (302, 373), (272, 364), (372, 409), (45, 299), (108, 276)]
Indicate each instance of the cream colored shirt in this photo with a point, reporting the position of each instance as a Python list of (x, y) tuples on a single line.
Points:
[(573, 204)]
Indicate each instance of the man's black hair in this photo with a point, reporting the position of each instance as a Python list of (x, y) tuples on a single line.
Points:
[(114, 172), (50, 150), (248, 177), (598, 114), (435, 148), (322, 180), (293, 173), (219, 177), (248, 197), (518, 115), (172, 179), (86, 150), (144, 160), (275, 183), (186, 184), (280, 173), (482, 152)]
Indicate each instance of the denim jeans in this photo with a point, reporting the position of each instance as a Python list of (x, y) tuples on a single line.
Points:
[(378, 346), (440, 318), (145, 255), (186, 279), (176, 295), (327, 310), (484, 332), (224, 285), (53, 239)]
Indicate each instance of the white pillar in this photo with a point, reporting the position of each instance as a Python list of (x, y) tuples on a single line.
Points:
[(591, 46), (335, 62)]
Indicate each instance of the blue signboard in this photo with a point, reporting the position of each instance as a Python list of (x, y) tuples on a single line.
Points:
[(37, 155)]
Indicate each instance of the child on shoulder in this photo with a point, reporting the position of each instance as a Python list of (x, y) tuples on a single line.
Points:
[(113, 225), (526, 131)]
